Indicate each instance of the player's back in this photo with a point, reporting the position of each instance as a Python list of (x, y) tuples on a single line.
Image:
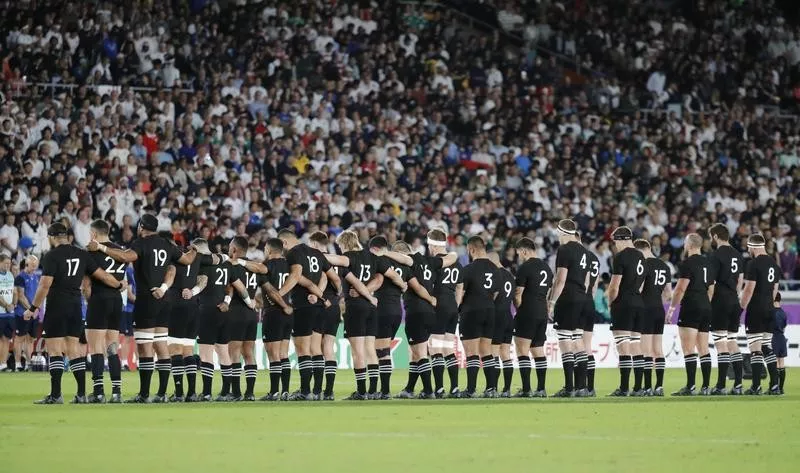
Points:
[(535, 276), (445, 289), (481, 282), (629, 263), (426, 271), (389, 294), (67, 265), (112, 267), (726, 263), (277, 274), (764, 270), (575, 258), (313, 264), (219, 276), (505, 294), (363, 265), (154, 255), (695, 269), (657, 276)]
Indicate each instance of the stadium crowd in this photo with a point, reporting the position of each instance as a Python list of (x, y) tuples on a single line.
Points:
[(243, 117)]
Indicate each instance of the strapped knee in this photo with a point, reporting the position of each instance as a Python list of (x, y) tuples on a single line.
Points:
[(621, 339), (577, 334), (719, 337), (753, 339), (635, 338), (383, 352), (143, 338), (564, 335)]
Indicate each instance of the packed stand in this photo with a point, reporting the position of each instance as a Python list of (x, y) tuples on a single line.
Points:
[(390, 120)]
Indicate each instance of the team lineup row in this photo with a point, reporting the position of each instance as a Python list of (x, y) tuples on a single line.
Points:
[(196, 296)]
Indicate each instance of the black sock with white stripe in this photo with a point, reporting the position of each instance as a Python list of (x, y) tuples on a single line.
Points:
[(690, 361), (190, 369), (78, 368), (56, 370), (286, 374), (781, 377), (737, 362), (163, 367), (413, 374), (540, 364), (568, 364), (177, 369), (236, 379), (473, 366), (451, 363), (496, 375), (306, 368), (361, 380), (705, 369), (115, 373), (146, 367), (580, 369), (625, 366), (226, 379), (372, 374), (772, 365), (318, 367), (330, 376), (250, 374), (97, 374), (437, 367), (590, 372), (488, 370), (723, 361), (508, 374), (424, 370), (648, 372), (525, 372), (385, 368), (638, 372), (661, 365), (207, 372), (756, 365), (275, 370)]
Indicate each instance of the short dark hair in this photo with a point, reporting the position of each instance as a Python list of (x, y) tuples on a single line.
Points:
[(100, 226), (275, 245), (476, 243), (319, 237), (438, 234), (756, 239), (240, 242), (525, 243), (642, 244), (285, 232), (622, 233), (720, 231), (379, 241), (567, 226)]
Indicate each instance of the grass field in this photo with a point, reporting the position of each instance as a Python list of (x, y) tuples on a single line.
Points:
[(620, 435)]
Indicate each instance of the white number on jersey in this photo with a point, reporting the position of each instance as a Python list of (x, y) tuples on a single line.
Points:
[(159, 257), (705, 275), (771, 275), (112, 266), (583, 261), (399, 271), (188, 269), (251, 280), (450, 276), (313, 264), (426, 273), (734, 265), (72, 266), (507, 287), (222, 277), (661, 277), (639, 268), (595, 269), (543, 282), (365, 274), (282, 279), (488, 283)]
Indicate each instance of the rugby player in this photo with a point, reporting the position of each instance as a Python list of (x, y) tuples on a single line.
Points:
[(442, 341), (625, 299), (503, 327), (727, 266), (657, 290), (584, 356), (276, 322), (63, 269), (567, 297), (534, 281), (103, 318), (693, 292), (153, 261), (760, 288)]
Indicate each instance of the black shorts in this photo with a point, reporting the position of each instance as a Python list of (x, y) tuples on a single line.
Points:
[(696, 318), (243, 324), (212, 326), (126, 324), (328, 320), (360, 321), (63, 320), (725, 313), (503, 328), (104, 312), (25, 327), (8, 327), (82, 337), (418, 327), (149, 312), (625, 318), (758, 321), (305, 319), (388, 323), (588, 314), (446, 321), (276, 326), (779, 345), (531, 328), (183, 319), (567, 312), (477, 324), (652, 320)]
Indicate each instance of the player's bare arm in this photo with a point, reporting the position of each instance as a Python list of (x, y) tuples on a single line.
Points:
[(333, 278), (275, 296), (188, 257), (202, 282), (677, 296), (747, 293), (169, 278), (86, 287), (423, 293), (558, 285), (295, 274), (253, 266), (396, 279), (613, 287), (119, 255), (400, 258), (360, 288), (338, 260), (242, 290)]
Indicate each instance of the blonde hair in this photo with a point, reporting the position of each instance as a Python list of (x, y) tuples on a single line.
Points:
[(348, 241)]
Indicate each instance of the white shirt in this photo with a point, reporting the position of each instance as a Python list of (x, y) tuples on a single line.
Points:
[(10, 234)]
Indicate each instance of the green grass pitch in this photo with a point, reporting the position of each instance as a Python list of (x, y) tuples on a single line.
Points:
[(589, 435)]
